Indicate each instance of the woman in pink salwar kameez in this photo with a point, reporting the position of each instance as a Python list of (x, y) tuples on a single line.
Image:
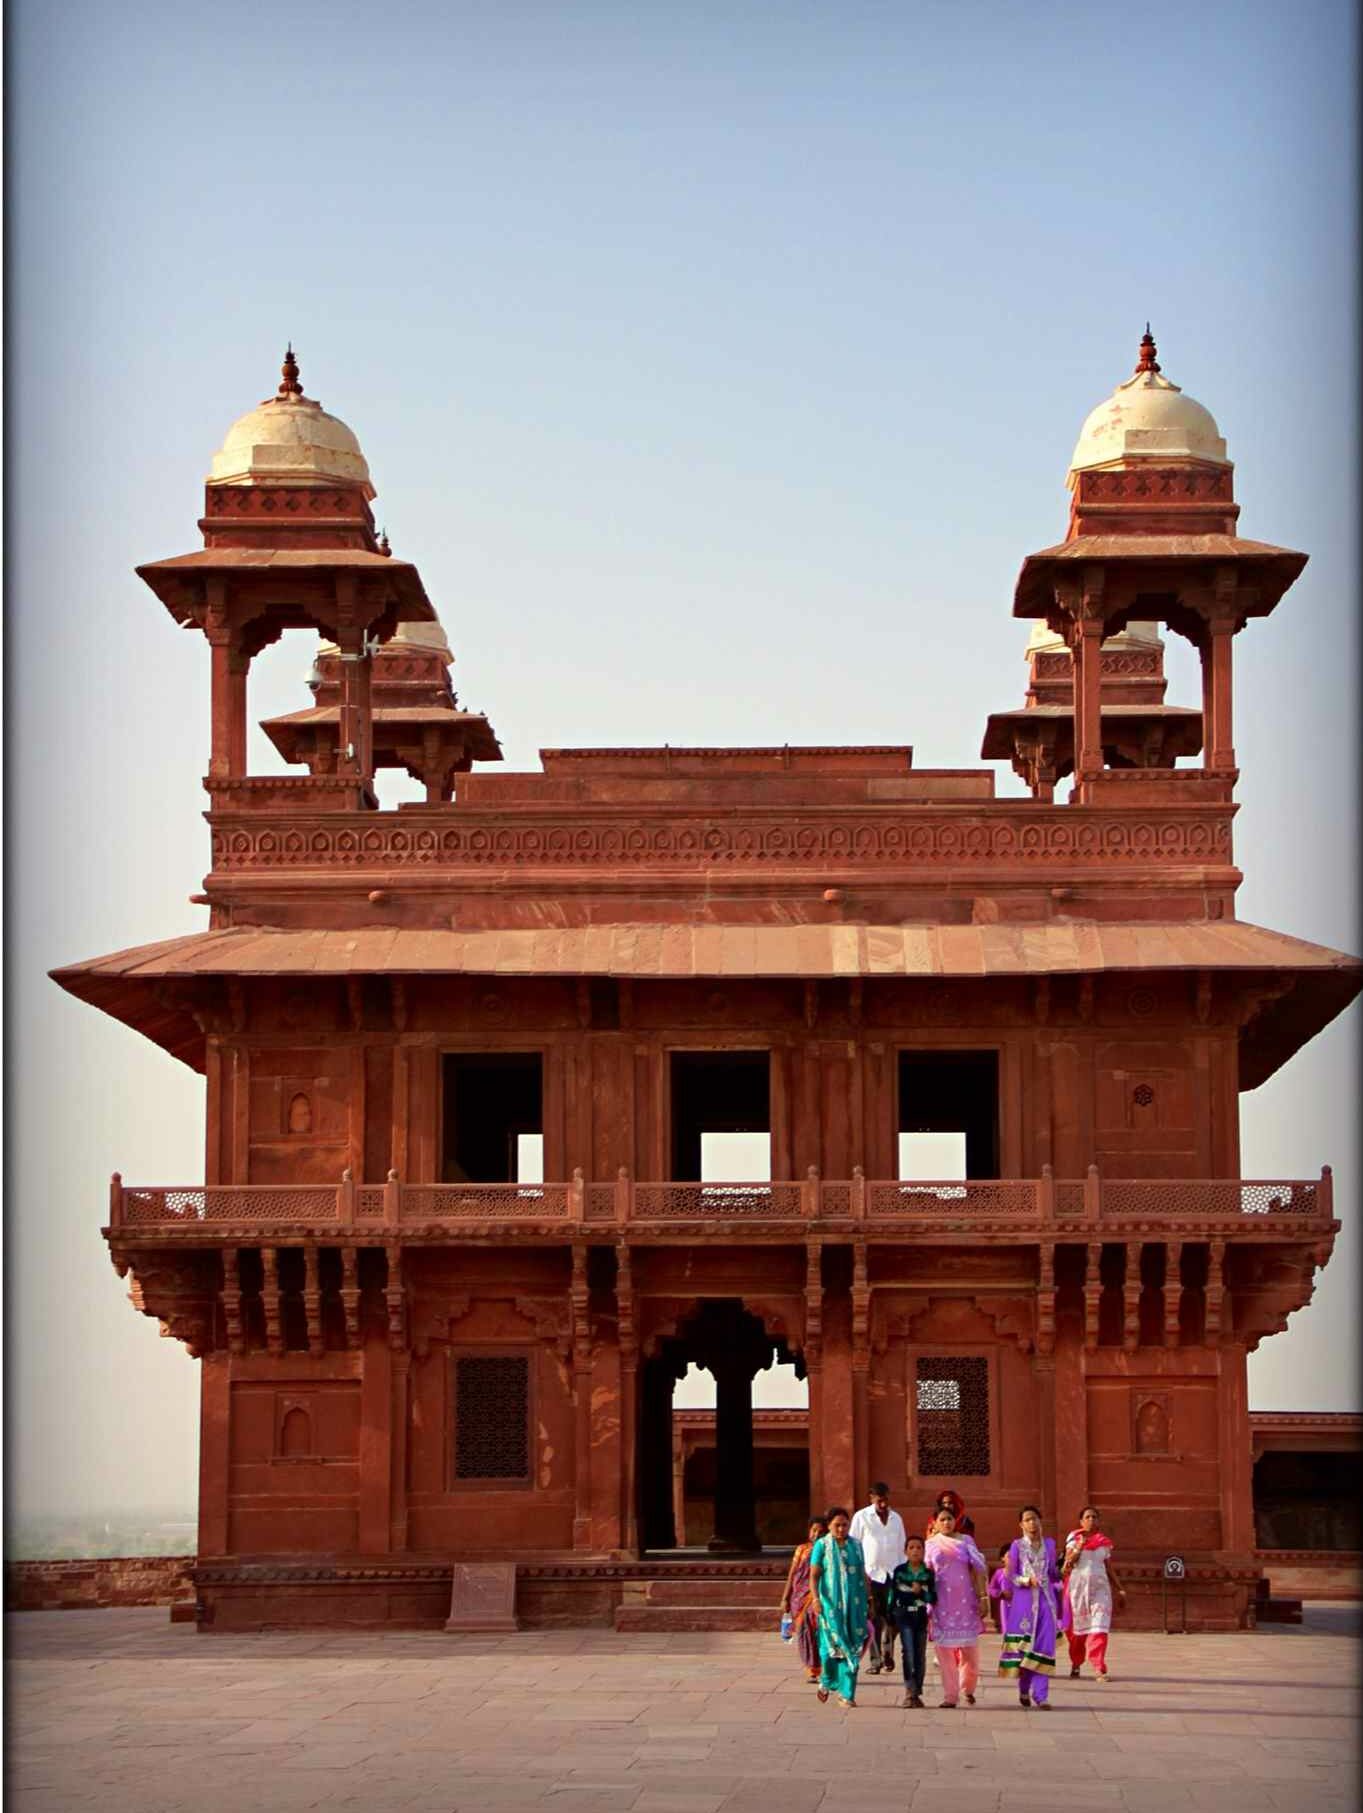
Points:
[(962, 1607)]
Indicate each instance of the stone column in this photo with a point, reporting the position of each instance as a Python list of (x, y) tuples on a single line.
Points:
[(582, 1399), (214, 1451), (227, 748), (735, 1522), (1236, 1464), (1131, 1297), (1088, 708), (1218, 741), (1173, 1291), (376, 1448), (655, 1455), (861, 1374), (1071, 1433)]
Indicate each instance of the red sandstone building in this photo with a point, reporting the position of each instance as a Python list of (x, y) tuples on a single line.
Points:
[(415, 1352)]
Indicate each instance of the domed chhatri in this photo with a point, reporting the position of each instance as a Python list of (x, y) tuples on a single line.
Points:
[(1148, 418), (291, 440)]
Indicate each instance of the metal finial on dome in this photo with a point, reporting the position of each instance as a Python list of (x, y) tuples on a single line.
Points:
[(290, 386), (1148, 361), (383, 543)]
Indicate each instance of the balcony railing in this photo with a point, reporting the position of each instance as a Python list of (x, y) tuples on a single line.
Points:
[(1068, 1208)]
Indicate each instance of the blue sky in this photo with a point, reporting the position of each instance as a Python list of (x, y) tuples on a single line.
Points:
[(718, 366)]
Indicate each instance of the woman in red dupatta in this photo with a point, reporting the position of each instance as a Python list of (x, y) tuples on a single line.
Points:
[(800, 1604), (1089, 1582)]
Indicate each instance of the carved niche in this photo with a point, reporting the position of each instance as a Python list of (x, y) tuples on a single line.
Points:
[(1151, 1421)]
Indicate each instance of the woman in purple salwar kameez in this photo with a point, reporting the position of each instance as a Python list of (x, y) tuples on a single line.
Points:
[(1032, 1612), (800, 1605)]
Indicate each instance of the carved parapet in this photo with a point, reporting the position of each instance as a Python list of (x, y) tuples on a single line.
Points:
[(1169, 832)]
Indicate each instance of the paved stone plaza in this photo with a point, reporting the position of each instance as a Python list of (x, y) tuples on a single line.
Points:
[(121, 1709)]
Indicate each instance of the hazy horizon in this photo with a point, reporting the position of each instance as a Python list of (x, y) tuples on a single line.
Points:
[(718, 369)]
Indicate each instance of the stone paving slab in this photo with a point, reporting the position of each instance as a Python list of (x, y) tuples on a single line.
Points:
[(125, 1712)]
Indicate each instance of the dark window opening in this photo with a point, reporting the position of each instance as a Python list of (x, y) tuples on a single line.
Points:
[(492, 1417), (952, 1092), (493, 1117), (952, 1404), (722, 1092), (1305, 1500)]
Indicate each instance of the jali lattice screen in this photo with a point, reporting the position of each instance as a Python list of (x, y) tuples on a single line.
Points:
[(953, 1416), (492, 1416)]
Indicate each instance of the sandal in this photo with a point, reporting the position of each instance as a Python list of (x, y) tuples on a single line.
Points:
[(1024, 1702), (1074, 1674), (822, 1695), (947, 1706), (1043, 1705), (970, 1699)]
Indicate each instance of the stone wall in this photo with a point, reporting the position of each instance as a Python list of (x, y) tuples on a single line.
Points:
[(38, 1586)]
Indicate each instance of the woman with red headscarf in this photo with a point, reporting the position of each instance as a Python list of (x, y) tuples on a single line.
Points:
[(1089, 1581), (953, 1502)]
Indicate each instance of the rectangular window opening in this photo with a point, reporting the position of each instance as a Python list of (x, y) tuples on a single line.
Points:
[(951, 1403), (493, 1125), (948, 1114), (721, 1116), (492, 1417)]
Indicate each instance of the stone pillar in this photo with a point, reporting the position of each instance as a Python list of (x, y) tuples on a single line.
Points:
[(1088, 706), (215, 1406), (1071, 1433), (356, 728), (227, 745), (628, 1342), (678, 1483), (735, 1520), (655, 1455), (1093, 1292), (861, 1374), (1236, 1461), (376, 1448), (813, 1352), (1173, 1291), (1218, 740), (1131, 1297), (582, 1399), (835, 1414)]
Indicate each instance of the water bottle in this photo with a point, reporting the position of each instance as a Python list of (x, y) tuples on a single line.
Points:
[(787, 1626)]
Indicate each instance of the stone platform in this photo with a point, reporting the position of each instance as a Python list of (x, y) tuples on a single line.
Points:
[(121, 1710)]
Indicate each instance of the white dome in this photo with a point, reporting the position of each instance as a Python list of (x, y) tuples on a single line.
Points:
[(1147, 417), (289, 439), (428, 636), (1044, 637)]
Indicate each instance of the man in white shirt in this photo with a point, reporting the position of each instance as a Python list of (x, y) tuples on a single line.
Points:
[(880, 1531)]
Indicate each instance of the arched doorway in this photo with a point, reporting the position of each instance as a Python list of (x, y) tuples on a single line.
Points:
[(733, 1344)]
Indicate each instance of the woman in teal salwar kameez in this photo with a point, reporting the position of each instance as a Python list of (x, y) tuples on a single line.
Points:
[(838, 1570)]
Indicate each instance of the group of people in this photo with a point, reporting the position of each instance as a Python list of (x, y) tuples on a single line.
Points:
[(860, 1583)]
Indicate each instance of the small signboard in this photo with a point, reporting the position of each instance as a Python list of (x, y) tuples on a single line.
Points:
[(1175, 1575)]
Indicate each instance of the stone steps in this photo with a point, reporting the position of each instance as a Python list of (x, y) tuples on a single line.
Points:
[(696, 1617), (726, 1602), (764, 1593)]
